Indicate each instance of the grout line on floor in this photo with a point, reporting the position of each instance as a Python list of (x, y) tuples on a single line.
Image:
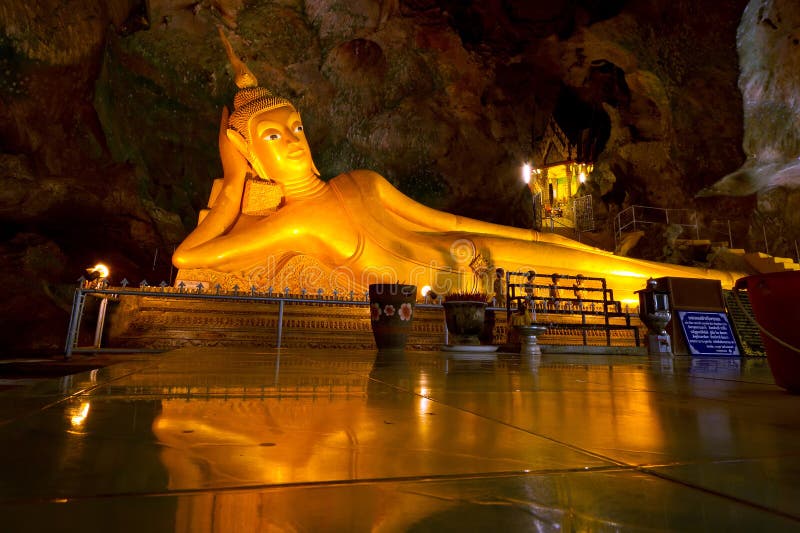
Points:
[(317, 484), (741, 501)]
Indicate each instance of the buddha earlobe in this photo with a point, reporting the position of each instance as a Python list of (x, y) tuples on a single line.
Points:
[(238, 141)]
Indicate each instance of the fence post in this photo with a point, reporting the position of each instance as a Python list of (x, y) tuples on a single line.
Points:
[(101, 322), (74, 321), (280, 322), (605, 312)]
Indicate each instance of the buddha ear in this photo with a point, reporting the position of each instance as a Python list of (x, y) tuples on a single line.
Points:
[(238, 141)]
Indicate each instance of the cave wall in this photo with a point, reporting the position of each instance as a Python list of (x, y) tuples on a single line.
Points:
[(769, 48), (110, 111)]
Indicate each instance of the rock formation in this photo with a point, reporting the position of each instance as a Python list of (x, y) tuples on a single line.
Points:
[(768, 41)]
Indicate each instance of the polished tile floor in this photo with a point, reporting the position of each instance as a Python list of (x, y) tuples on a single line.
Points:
[(199, 440)]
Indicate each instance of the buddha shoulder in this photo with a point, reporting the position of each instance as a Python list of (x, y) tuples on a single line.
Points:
[(365, 181)]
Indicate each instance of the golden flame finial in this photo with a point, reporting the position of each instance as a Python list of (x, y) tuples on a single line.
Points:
[(244, 76)]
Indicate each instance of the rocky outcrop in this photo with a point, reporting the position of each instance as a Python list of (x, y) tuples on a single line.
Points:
[(768, 41)]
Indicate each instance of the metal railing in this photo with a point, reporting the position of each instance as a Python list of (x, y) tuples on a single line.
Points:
[(641, 214), (715, 230), (105, 293), (587, 298)]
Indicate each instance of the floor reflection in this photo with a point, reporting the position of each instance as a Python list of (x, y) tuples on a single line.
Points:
[(295, 440)]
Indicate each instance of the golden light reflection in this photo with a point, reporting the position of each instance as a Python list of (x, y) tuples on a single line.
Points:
[(294, 435), (628, 274), (424, 402), (424, 408), (79, 416), (641, 427), (621, 414)]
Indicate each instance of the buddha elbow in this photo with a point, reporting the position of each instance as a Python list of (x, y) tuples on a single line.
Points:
[(197, 258), (178, 261), (182, 259)]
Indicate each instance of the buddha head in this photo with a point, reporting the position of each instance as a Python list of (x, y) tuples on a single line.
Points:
[(267, 129)]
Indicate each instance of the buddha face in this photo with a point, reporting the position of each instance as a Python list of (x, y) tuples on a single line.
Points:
[(279, 146)]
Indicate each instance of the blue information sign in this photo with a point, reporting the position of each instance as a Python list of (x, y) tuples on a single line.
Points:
[(708, 333)]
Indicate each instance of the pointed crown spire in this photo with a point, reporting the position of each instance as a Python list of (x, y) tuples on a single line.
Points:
[(250, 99)]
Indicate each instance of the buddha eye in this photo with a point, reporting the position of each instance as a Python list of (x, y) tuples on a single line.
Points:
[(298, 128), (272, 136)]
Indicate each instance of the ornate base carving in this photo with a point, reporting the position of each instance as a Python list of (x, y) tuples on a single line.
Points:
[(164, 323), (295, 272)]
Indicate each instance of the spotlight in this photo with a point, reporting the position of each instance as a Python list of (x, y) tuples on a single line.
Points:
[(526, 173), (97, 272), (427, 293)]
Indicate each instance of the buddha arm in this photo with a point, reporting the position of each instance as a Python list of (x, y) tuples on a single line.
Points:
[(227, 206), (412, 211), (426, 218), (307, 227)]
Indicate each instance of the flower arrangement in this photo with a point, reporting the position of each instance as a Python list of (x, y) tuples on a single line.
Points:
[(465, 314)]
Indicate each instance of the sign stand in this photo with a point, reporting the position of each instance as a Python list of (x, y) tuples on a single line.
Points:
[(708, 333), (699, 324)]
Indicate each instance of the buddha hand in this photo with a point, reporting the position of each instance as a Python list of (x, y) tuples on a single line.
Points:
[(225, 209), (234, 165)]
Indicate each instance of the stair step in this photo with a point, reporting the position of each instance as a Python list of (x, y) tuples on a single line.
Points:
[(765, 263), (693, 242)]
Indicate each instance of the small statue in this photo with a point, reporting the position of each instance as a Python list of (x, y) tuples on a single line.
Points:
[(530, 289), (499, 288), (554, 293), (579, 291), (522, 316)]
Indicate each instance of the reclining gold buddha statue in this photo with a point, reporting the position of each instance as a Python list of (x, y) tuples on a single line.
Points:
[(273, 223)]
